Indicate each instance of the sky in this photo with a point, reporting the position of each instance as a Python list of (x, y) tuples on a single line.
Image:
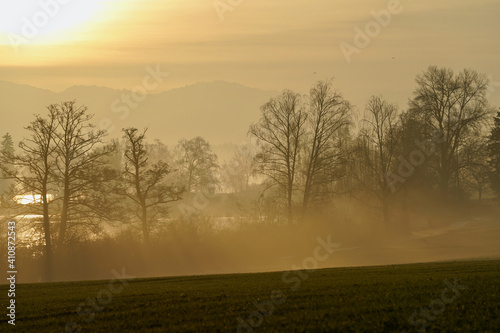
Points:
[(267, 44)]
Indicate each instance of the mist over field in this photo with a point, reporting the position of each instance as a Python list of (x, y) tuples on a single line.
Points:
[(376, 187)]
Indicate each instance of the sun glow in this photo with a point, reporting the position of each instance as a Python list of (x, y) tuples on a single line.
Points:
[(39, 21), (31, 199)]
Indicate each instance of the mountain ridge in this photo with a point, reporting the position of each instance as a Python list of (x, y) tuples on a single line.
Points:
[(219, 111)]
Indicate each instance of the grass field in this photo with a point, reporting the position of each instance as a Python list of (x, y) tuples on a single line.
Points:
[(440, 297)]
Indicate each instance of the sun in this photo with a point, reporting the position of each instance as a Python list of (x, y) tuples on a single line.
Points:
[(40, 20)]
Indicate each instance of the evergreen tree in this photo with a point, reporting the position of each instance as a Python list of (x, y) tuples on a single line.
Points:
[(6, 153), (494, 155)]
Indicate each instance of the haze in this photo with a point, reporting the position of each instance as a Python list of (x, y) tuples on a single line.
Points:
[(269, 45), (205, 69)]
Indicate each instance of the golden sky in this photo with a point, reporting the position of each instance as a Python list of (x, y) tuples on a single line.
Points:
[(267, 44)]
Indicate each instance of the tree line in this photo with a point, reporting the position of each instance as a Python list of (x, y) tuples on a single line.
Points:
[(75, 180), (444, 142), (304, 152)]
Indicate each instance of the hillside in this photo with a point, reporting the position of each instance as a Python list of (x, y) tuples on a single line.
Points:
[(218, 111)]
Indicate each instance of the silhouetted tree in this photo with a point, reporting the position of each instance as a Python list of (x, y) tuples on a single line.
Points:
[(7, 145), (453, 106), (378, 152), (197, 164), (32, 170), (279, 134), (474, 167), (7, 151), (236, 173), (158, 151), (494, 155), (328, 122), (80, 168), (144, 183)]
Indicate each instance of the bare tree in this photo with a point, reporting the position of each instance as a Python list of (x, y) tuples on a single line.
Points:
[(32, 170), (236, 173), (329, 118), (378, 148), (144, 183), (279, 134), (197, 164), (80, 161), (451, 105), (158, 151)]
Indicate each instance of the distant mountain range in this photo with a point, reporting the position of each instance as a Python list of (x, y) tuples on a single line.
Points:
[(219, 111)]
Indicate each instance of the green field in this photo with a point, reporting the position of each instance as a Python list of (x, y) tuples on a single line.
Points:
[(443, 297)]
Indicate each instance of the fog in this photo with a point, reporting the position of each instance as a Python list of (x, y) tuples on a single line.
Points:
[(312, 186), (174, 138), (209, 244)]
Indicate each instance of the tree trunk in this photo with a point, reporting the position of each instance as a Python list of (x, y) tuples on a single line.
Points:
[(305, 202), (145, 226), (48, 274), (309, 174), (386, 212), (444, 177), (64, 214), (289, 203)]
